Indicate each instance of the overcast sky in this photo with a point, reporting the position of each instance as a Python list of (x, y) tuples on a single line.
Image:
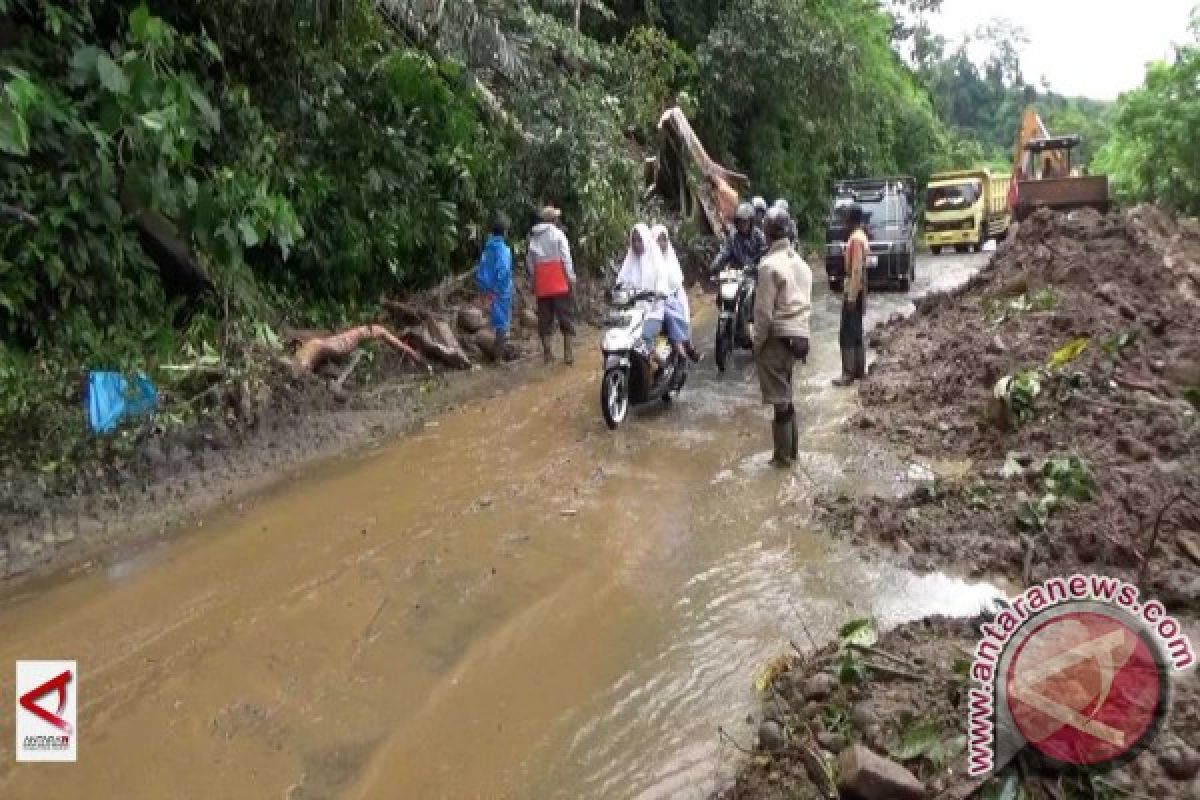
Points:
[(1095, 48)]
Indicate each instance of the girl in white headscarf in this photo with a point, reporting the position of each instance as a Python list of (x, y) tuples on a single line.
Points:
[(678, 311), (644, 271)]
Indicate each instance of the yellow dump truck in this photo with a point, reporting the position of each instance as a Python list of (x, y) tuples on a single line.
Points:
[(965, 209)]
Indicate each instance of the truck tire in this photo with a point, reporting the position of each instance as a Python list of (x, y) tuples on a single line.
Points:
[(936, 249)]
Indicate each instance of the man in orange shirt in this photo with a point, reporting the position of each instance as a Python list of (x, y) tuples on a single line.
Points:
[(854, 301)]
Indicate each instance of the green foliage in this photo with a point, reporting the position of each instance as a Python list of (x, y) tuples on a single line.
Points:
[(1154, 154), (924, 738), (1065, 480)]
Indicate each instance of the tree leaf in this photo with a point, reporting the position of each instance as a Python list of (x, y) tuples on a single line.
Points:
[(860, 632), (920, 738), (14, 132), (200, 101), (1068, 353), (248, 231), (112, 76)]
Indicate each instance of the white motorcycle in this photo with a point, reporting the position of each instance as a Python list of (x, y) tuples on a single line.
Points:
[(629, 376)]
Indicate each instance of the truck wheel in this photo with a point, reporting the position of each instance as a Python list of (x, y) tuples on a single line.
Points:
[(907, 281), (960, 248), (936, 249)]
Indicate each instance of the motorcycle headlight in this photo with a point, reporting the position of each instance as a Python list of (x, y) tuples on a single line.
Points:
[(729, 291)]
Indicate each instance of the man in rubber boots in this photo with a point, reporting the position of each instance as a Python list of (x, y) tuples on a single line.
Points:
[(781, 317), (854, 300), (552, 275)]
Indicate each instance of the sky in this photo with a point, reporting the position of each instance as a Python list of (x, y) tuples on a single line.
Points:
[(1093, 48)]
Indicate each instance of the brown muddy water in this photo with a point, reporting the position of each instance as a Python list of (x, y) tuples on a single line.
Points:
[(513, 603)]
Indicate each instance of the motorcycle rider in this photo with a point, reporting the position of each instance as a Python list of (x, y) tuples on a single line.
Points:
[(760, 211), (744, 246), (678, 313), (781, 332), (793, 233), (644, 271)]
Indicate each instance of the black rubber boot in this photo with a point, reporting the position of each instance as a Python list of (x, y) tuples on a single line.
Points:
[(848, 366), (795, 431), (547, 351), (783, 432), (568, 348), (860, 362)]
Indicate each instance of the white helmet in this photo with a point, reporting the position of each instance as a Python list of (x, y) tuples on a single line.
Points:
[(782, 204), (759, 204)]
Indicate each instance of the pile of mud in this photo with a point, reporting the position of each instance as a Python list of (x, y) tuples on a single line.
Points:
[(1097, 317), (913, 712)]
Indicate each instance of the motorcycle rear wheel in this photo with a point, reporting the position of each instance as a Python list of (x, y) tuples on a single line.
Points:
[(614, 396)]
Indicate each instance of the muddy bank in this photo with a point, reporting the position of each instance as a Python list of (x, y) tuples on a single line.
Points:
[(1090, 460), (905, 699)]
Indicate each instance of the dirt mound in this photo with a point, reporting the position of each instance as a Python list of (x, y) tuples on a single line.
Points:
[(1073, 357)]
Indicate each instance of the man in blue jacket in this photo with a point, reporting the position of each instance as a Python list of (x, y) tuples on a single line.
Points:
[(495, 278)]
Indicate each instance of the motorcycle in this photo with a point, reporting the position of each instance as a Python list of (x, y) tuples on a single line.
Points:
[(628, 371), (735, 312)]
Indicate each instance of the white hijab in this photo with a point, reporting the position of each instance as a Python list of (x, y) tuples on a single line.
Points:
[(647, 272), (671, 261)]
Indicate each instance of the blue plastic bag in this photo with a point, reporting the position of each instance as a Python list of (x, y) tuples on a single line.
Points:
[(110, 398)]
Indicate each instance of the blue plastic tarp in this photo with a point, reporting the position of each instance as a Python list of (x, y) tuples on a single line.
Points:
[(110, 398)]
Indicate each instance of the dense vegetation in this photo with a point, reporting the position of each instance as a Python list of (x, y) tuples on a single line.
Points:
[(317, 155), (1154, 153)]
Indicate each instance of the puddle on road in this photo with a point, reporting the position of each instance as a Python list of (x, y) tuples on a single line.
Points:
[(514, 603)]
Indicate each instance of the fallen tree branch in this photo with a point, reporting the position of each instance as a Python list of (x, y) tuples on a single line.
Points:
[(316, 351)]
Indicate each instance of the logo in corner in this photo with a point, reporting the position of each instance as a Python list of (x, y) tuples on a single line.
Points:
[(46, 710), (1077, 669)]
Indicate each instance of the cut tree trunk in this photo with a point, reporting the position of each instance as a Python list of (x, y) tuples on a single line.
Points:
[(429, 333), (319, 350), (687, 178)]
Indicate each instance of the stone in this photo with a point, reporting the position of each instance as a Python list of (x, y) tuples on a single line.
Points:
[(1178, 760), (864, 717), (470, 319), (1135, 449), (1109, 292), (997, 346), (1189, 544), (1177, 588), (771, 736), (833, 742), (868, 776), (819, 687)]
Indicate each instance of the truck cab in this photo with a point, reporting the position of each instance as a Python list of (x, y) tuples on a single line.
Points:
[(887, 205), (963, 210)]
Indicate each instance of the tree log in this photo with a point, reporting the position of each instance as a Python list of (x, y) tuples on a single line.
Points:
[(318, 350), (686, 176)]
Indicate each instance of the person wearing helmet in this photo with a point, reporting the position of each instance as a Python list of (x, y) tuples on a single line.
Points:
[(744, 245), (760, 211), (793, 232), (781, 331)]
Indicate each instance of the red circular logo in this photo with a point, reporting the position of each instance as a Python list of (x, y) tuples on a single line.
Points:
[(1084, 688)]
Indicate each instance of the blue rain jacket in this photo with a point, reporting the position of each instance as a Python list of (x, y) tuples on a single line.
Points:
[(110, 398), (494, 276)]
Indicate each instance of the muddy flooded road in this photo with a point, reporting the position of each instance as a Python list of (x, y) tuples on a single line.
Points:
[(512, 603)]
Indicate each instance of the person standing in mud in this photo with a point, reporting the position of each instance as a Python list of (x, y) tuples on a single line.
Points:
[(854, 300), (552, 275), (781, 331), (495, 279)]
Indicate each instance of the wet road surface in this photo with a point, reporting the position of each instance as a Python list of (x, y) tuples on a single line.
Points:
[(513, 603)]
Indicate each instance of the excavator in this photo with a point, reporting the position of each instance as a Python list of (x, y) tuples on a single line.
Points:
[(1043, 175)]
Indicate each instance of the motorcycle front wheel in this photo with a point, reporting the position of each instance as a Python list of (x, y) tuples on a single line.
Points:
[(724, 344), (614, 396)]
